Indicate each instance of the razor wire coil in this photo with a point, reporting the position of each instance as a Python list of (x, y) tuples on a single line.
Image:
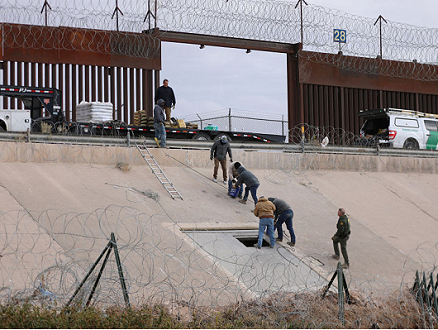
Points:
[(414, 48)]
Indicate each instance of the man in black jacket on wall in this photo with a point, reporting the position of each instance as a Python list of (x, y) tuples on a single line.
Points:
[(166, 93)]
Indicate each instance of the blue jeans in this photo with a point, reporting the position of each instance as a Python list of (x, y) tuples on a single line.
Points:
[(160, 133), (253, 190), (263, 223), (285, 217)]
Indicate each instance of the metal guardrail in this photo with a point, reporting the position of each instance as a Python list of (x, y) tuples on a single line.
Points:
[(128, 141)]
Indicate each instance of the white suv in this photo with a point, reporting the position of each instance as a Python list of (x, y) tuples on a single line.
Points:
[(399, 128)]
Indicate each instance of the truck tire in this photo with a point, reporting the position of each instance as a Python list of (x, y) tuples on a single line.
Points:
[(217, 137), (201, 136), (411, 144)]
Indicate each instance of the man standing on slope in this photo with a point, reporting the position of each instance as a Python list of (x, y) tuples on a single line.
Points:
[(341, 237), (219, 152)]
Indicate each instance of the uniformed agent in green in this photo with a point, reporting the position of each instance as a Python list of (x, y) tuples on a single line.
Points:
[(342, 235)]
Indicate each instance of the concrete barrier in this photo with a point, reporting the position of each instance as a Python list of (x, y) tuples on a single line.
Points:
[(200, 158)]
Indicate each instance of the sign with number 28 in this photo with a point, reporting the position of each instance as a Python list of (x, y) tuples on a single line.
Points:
[(339, 35)]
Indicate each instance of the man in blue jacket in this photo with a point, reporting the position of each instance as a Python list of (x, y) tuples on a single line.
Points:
[(251, 184)]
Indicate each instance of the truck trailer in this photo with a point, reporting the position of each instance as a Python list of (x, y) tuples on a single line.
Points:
[(43, 105)]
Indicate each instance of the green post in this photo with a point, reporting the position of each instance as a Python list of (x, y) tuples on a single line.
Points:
[(416, 286), (435, 303), (93, 290), (426, 293), (88, 274), (341, 293), (119, 267), (420, 301)]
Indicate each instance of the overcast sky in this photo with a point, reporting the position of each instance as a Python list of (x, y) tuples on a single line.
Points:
[(216, 78)]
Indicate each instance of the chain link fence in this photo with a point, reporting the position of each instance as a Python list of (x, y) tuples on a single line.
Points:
[(234, 120)]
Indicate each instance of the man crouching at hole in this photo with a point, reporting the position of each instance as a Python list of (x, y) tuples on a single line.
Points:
[(265, 209)]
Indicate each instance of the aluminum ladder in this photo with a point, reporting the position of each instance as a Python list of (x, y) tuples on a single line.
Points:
[(156, 169)]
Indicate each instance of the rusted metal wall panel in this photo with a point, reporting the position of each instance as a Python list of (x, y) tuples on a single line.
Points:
[(93, 84), (132, 106), (87, 83), (320, 72), (79, 46), (333, 97), (334, 106), (106, 77), (125, 100), (138, 90), (119, 95), (65, 85), (74, 93), (129, 89)]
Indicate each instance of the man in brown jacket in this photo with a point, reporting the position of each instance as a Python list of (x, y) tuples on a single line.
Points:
[(265, 209)]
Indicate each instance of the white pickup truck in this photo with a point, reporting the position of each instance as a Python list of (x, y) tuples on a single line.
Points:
[(15, 120), (399, 128)]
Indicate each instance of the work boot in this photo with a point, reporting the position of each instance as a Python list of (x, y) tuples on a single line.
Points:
[(214, 180), (334, 256), (291, 243), (242, 201), (158, 143)]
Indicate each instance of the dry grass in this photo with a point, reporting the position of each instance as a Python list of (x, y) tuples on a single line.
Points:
[(309, 310), (46, 128), (300, 310)]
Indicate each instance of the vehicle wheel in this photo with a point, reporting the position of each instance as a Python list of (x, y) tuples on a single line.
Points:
[(201, 136), (410, 144), (217, 137)]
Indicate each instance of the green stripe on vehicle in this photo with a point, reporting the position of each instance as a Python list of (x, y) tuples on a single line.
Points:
[(432, 141)]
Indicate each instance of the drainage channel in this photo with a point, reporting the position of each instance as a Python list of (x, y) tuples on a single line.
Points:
[(263, 271)]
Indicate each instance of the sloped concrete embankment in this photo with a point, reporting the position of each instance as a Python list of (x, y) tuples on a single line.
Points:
[(77, 195)]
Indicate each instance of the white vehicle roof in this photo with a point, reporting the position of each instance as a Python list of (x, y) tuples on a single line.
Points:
[(398, 112), (412, 113)]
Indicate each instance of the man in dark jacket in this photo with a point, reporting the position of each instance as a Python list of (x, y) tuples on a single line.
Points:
[(160, 130), (341, 237), (251, 184), (219, 152), (166, 93), (283, 214)]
